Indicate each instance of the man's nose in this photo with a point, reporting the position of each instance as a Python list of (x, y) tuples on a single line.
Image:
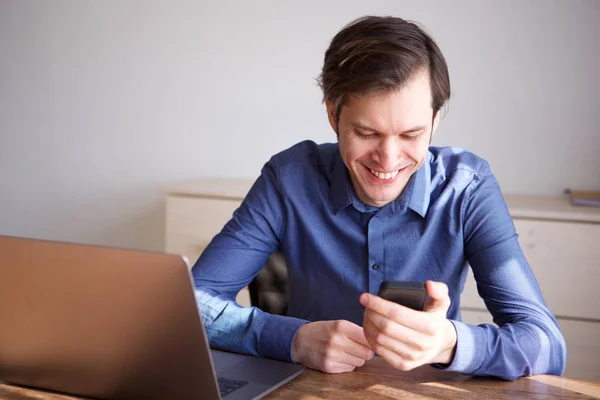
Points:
[(388, 154)]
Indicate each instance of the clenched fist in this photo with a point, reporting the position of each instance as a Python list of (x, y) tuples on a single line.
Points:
[(331, 346)]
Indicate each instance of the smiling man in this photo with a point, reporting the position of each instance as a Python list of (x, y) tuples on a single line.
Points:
[(385, 137), (380, 204)]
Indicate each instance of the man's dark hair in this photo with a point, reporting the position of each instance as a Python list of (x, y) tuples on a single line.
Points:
[(381, 54)]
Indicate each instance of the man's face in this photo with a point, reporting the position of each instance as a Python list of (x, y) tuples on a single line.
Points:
[(384, 138)]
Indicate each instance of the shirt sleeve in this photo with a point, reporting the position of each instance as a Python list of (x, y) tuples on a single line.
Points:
[(527, 340), (230, 262)]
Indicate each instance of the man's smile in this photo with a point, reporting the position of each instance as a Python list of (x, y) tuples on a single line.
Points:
[(386, 177)]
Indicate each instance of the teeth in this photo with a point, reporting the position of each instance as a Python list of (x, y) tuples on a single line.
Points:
[(385, 175)]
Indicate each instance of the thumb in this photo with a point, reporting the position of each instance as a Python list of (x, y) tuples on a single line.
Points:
[(439, 300)]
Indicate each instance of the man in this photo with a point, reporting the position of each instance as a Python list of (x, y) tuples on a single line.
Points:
[(381, 204)]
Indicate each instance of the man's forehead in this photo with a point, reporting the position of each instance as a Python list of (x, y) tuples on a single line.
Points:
[(396, 111)]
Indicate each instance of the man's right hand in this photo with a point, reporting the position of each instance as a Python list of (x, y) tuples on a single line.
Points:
[(331, 346)]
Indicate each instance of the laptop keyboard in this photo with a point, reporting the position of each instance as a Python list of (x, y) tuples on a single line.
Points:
[(227, 386)]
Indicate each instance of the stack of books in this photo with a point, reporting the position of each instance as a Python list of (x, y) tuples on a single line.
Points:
[(584, 198)]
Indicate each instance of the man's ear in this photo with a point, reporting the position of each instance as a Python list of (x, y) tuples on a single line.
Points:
[(331, 115), (436, 122)]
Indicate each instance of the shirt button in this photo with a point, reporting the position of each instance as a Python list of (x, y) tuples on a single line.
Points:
[(375, 267)]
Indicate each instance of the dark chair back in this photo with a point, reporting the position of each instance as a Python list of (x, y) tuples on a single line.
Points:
[(269, 289)]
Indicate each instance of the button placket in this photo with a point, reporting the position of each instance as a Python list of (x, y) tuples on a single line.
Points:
[(375, 248)]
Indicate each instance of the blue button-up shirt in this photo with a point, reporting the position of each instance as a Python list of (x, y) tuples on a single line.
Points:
[(450, 215)]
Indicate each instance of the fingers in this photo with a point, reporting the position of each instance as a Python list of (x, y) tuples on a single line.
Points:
[(439, 302), (342, 356), (334, 367), (353, 340), (396, 360), (343, 353), (383, 328), (408, 338), (416, 320), (439, 299), (331, 346), (386, 345)]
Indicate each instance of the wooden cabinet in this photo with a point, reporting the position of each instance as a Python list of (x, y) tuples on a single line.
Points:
[(563, 248), (561, 243), (192, 222), (196, 212), (565, 257)]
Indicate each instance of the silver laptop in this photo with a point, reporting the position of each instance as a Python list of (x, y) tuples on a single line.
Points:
[(111, 323)]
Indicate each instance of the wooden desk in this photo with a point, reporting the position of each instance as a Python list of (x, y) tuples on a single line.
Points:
[(377, 380)]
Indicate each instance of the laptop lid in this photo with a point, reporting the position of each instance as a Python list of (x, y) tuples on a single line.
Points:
[(101, 322)]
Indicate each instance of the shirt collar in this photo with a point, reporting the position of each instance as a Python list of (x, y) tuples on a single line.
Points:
[(340, 190), (418, 189), (415, 196)]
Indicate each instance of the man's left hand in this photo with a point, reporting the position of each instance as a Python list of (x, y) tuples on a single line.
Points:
[(406, 338)]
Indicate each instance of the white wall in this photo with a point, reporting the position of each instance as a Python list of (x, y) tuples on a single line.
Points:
[(105, 104)]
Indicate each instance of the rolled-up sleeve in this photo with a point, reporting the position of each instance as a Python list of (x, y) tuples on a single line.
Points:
[(230, 262)]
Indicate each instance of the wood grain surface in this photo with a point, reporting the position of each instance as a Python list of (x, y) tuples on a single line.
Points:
[(377, 380)]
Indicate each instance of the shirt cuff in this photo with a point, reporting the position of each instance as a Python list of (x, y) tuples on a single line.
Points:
[(469, 349), (277, 336)]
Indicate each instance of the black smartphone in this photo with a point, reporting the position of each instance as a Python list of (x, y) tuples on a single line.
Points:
[(405, 293)]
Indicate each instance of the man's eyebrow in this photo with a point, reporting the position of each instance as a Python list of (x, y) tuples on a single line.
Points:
[(359, 125)]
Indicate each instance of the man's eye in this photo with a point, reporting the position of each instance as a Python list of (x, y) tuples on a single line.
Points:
[(412, 137), (365, 135)]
